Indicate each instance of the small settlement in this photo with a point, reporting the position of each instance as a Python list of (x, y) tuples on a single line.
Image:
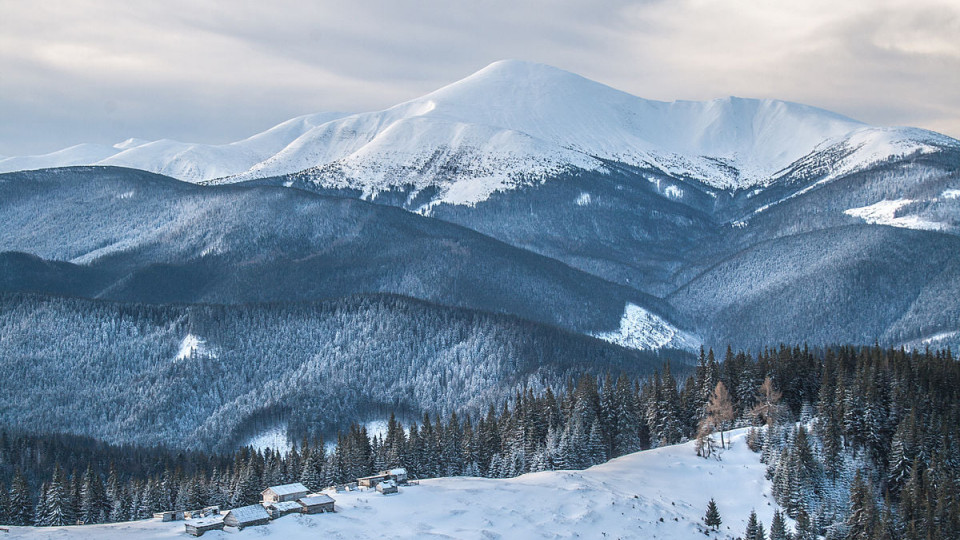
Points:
[(276, 502)]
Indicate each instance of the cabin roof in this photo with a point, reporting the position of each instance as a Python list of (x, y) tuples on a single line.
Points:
[(315, 499), (287, 489), (285, 505), (246, 514), (400, 471)]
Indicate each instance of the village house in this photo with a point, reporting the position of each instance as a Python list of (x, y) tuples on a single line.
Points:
[(284, 493), (316, 503), (372, 481), (169, 515), (247, 516), (197, 528), (280, 509), (387, 487), (398, 475)]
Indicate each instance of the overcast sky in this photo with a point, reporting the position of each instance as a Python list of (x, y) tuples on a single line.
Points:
[(100, 71)]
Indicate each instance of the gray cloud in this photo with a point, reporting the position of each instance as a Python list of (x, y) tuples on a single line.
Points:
[(101, 71)]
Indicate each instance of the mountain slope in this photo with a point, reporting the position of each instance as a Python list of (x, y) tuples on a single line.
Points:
[(225, 371), (853, 284), (141, 237)]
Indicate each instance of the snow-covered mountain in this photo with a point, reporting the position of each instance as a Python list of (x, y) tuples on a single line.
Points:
[(514, 123), (184, 161)]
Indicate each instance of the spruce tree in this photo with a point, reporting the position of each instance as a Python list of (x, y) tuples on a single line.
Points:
[(862, 521), (778, 528), (94, 507), (21, 508), (753, 525), (58, 506), (40, 517), (4, 504), (712, 518), (310, 476)]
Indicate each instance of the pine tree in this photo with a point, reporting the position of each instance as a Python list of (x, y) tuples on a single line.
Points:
[(805, 527), (311, 475), (753, 527), (4, 504), (94, 507), (778, 528), (58, 506), (862, 521), (712, 517), (40, 518), (21, 508)]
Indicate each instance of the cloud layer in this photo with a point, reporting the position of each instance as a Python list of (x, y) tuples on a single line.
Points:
[(101, 71)]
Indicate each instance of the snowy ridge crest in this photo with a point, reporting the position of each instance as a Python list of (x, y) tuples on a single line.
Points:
[(517, 123)]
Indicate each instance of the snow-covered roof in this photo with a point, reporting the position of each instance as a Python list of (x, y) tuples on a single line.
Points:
[(398, 472), (288, 489), (284, 506), (253, 512), (316, 499)]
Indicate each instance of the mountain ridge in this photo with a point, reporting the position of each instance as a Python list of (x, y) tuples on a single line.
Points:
[(509, 124)]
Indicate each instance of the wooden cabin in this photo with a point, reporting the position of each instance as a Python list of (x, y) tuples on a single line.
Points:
[(280, 509), (286, 492), (208, 511), (247, 516), (387, 486), (399, 475), (372, 481), (316, 503), (169, 515), (197, 528)]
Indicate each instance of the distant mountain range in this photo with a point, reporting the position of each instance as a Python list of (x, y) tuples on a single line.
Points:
[(521, 191)]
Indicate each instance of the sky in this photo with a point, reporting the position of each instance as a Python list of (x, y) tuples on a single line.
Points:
[(102, 71)]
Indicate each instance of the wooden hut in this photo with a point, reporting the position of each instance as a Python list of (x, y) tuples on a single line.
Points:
[(316, 503), (169, 515), (286, 492), (247, 516), (387, 486), (280, 509), (372, 481), (197, 528), (399, 475), (208, 511)]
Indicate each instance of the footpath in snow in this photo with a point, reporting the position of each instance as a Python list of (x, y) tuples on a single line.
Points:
[(624, 498)]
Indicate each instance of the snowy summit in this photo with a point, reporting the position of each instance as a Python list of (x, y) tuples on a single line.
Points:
[(513, 123)]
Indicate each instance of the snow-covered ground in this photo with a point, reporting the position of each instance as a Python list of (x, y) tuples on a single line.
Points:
[(886, 212), (642, 330), (660, 493), (274, 438)]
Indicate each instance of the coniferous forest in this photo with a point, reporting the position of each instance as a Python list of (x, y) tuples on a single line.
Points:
[(860, 443)]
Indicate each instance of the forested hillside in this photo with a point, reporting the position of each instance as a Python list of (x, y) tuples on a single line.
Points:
[(207, 376)]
